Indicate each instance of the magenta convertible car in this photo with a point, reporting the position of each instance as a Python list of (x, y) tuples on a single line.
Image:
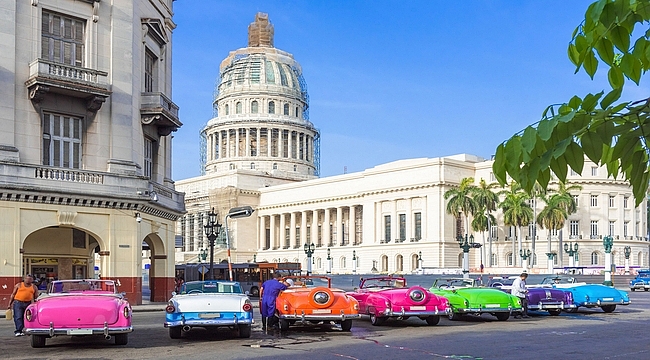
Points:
[(388, 297), (79, 308)]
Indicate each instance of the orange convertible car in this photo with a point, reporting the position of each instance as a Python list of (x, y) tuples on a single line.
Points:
[(312, 299)]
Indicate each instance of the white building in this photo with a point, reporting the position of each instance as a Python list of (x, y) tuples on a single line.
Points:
[(85, 147)]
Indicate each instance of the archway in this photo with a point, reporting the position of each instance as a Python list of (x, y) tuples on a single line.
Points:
[(399, 263), (384, 263), (414, 262), (159, 287)]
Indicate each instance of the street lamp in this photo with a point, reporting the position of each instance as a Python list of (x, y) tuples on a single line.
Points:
[(203, 254), (329, 261), (628, 251), (572, 251), (525, 254), (309, 250), (420, 260), (354, 261), (466, 244), (211, 234), (551, 258), (608, 243), (235, 213)]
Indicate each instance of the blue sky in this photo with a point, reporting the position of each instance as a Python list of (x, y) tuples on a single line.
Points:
[(392, 80)]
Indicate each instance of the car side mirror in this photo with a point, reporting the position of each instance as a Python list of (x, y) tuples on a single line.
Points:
[(247, 293), (173, 293), (123, 293)]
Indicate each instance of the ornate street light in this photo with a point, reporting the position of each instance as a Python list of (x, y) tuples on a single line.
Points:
[(235, 213), (551, 259), (466, 244), (329, 261), (211, 234), (420, 260), (572, 251), (627, 251), (608, 243), (525, 254), (203, 254), (309, 250), (354, 261), (254, 258)]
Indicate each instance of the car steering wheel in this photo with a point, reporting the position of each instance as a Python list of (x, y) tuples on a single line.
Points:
[(443, 286), (195, 291)]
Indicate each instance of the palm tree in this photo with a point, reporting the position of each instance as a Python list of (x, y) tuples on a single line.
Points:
[(567, 202), (516, 212), (553, 217), (487, 201), (460, 201), (537, 192)]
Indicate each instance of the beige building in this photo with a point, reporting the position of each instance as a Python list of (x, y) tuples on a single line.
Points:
[(85, 147)]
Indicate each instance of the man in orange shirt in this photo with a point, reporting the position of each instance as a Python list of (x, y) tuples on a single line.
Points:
[(24, 293)]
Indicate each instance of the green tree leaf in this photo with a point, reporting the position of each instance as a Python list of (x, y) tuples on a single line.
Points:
[(592, 146), (575, 102), (574, 56), (545, 128), (605, 50), (615, 77), (528, 139), (620, 36), (559, 167), (498, 167), (611, 97), (575, 157), (590, 101), (590, 63)]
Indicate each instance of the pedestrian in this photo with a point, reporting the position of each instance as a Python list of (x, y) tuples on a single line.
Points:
[(269, 293), (178, 284), (519, 290), (25, 293)]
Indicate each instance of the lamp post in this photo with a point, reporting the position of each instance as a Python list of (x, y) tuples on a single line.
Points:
[(608, 243), (628, 251), (203, 254), (309, 250), (354, 261), (572, 251), (329, 261), (420, 260), (211, 234), (235, 213), (525, 255), (550, 257), (466, 244), (254, 258)]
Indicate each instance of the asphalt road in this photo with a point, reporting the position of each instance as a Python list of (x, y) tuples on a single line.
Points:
[(589, 334)]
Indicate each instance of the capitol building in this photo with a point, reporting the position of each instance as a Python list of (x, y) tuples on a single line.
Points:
[(261, 149)]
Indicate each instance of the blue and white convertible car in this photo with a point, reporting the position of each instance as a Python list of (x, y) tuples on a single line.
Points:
[(641, 281), (209, 304), (588, 295)]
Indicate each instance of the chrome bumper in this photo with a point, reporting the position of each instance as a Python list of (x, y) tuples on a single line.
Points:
[(488, 310), (318, 317), (546, 306), (403, 313), (210, 322), (106, 330)]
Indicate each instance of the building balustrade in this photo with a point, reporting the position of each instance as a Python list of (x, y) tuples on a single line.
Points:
[(68, 175)]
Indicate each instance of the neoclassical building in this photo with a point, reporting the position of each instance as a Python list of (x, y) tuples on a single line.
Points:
[(85, 143)]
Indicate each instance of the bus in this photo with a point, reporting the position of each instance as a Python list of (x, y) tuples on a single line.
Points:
[(249, 275)]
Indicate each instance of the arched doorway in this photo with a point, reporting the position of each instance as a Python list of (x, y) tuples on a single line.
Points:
[(414, 262), (384, 263), (159, 287), (399, 263)]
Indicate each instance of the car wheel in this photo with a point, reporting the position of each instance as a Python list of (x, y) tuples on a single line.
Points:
[(502, 316), (121, 339), (646, 289), (284, 324), (376, 320), (38, 341), (255, 291), (244, 331), (453, 316), (432, 320), (608, 308), (555, 312), (346, 325), (175, 332), (634, 289), (572, 310)]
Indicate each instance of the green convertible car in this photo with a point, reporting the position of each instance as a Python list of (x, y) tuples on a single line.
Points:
[(466, 297)]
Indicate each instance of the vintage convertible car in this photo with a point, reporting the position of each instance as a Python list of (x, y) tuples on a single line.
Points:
[(465, 297), (388, 297), (588, 295), (541, 299), (209, 304), (641, 281), (79, 307), (312, 299)]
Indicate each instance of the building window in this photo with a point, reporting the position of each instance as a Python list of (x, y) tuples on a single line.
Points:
[(297, 112), (308, 237), (254, 107), (295, 168), (573, 173), (271, 107), (387, 228), (594, 258), (238, 107), (286, 109), (492, 177), (625, 227), (275, 166), (418, 226), (190, 236), (399, 263), (252, 166), (61, 141), (509, 259), (611, 228), (575, 199), (494, 260), (227, 109), (594, 228), (149, 151), (150, 71), (402, 227), (625, 201), (531, 230), (494, 231), (342, 263), (232, 166), (594, 200), (594, 171), (611, 201), (574, 228), (62, 39)]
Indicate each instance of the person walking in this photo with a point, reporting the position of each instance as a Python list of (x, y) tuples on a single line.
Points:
[(268, 294), (25, 293), (519, 290)]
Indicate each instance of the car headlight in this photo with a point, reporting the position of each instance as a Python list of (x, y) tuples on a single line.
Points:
[(28, 314)]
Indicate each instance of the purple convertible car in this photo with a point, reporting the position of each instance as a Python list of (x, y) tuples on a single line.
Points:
[(539, 298)]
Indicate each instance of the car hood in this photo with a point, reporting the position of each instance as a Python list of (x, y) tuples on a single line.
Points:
[(78, 310), (209, 302)]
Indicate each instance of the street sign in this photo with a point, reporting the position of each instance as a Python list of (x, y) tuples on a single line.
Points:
[(203, 269)]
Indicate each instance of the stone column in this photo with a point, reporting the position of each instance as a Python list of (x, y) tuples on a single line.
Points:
[(237, 139), (352, 227), (258, 150), (262, 228), (228, 143), (303, 228), (269, 141), (247, 147), (424, 221), (409, 221), (339, 226), (326, 227), (291, 145), (282, 228), (272, 226), (394, 223), (314, 226), (292, 229)]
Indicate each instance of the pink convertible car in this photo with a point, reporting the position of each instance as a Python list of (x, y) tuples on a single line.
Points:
[(79, 307), (388, 297)]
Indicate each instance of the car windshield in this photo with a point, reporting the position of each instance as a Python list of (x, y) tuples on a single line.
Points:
[(80, 286), (443, 283), (500, 282), (558, 280), (384, 283), (644, 275), (309, 281), (211, 287)]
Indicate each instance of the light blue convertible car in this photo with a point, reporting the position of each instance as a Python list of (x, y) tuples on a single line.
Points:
[(641, 281), (588, 295)]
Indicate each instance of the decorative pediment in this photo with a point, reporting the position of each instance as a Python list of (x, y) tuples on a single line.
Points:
[(155, 29)]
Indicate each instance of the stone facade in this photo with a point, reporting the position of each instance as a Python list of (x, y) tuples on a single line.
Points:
[(85, 146)]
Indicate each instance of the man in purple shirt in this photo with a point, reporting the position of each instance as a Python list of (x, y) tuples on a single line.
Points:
[(270, 290)]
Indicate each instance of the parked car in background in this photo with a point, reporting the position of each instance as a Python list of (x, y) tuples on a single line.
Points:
[(466, 297), (388, 297), (588, 295), (79, 308), (313, 300), (209, 304), (540, 299), (641, 281)]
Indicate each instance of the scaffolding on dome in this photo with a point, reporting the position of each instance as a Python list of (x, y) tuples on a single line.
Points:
[(203, 149), (317, 153)]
